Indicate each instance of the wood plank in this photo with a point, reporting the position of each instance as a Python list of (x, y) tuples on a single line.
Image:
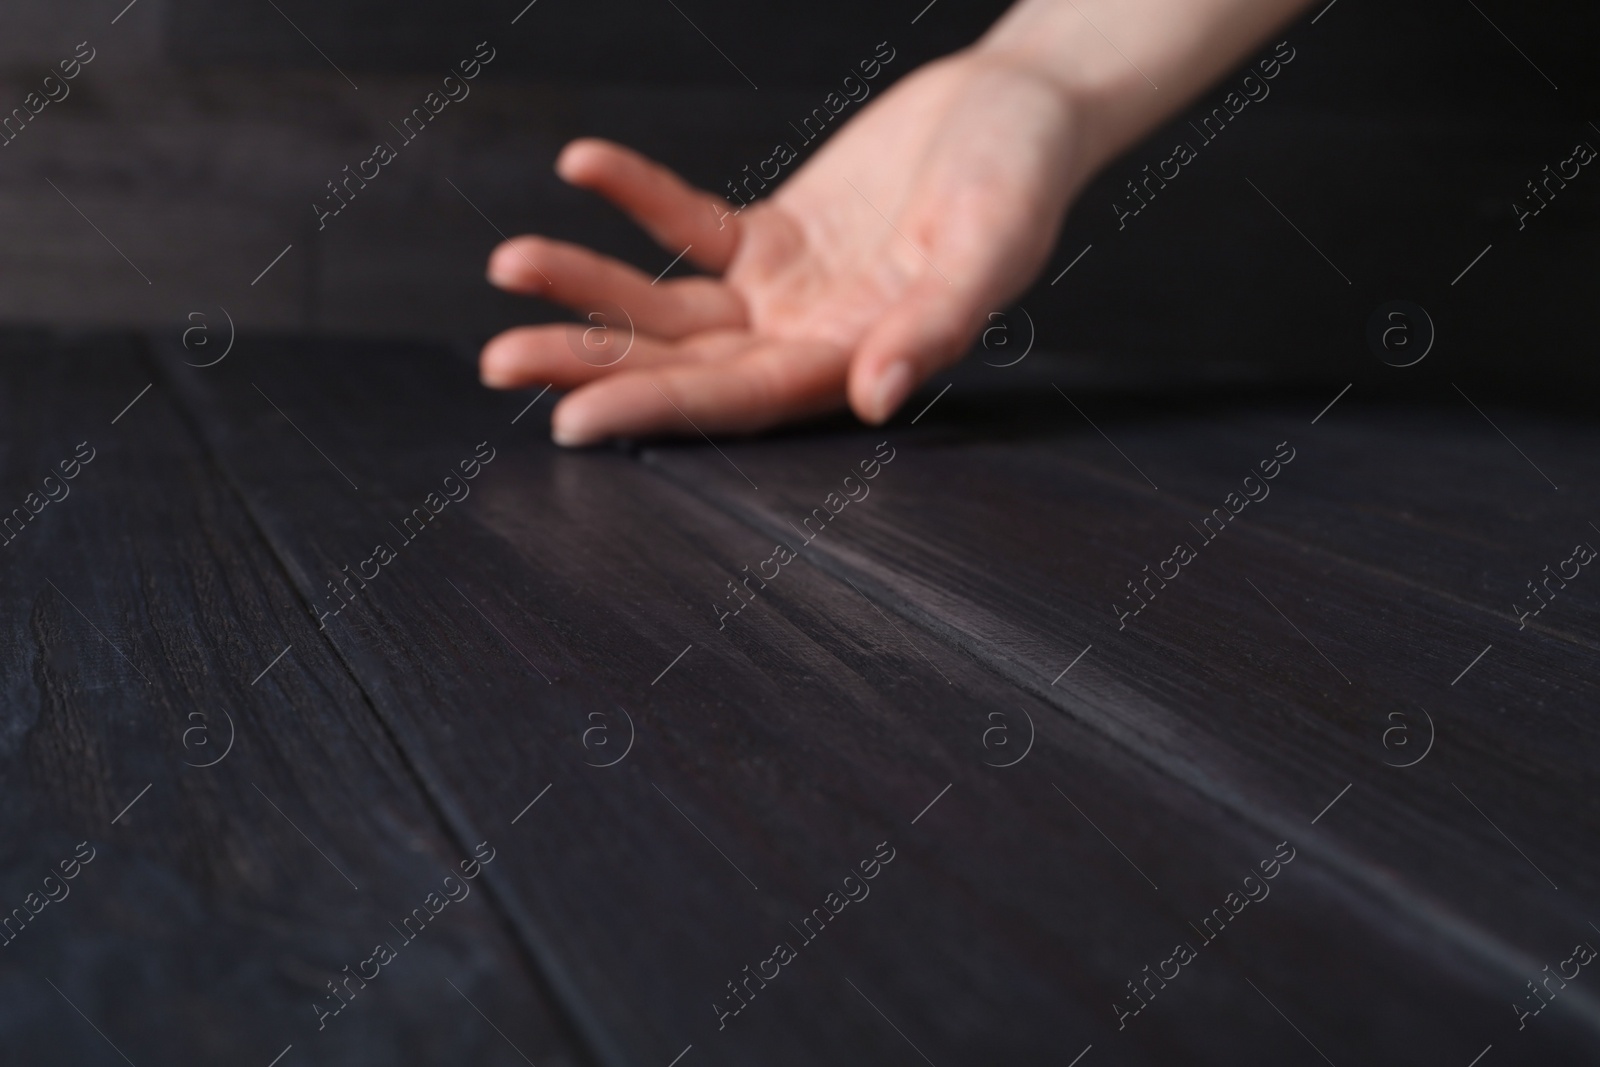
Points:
[(1305, 709), (1431, 493), (780, 751), (147, 632)]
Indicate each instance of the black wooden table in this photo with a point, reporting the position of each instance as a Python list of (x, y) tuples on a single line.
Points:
[(349, 721)]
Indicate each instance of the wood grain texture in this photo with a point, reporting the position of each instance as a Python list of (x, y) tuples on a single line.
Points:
[(776, 753), (142, 612), (1264, 707)]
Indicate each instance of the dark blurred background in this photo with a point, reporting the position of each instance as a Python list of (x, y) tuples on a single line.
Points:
[(203, 131)]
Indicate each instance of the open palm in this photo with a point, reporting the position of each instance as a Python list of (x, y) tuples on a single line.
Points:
[(870, 269)]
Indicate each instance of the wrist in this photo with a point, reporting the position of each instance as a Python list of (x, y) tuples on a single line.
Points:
[(1103, 92), (1124, 67)]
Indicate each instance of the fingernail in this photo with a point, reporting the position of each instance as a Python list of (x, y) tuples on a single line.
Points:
[(504, 265), (567, 435), (894, 385), (494, 370)]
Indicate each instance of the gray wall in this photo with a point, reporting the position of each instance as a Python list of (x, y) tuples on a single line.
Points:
[(202, 133)]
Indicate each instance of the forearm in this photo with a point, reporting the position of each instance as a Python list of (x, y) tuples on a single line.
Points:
[(1128, 64)]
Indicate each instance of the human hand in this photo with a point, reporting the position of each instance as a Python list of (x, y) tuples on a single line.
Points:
[(867, 271)]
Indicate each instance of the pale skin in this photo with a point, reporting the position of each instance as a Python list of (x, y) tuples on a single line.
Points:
[(875, 265)]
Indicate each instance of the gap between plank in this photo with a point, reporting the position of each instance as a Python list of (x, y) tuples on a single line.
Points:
[(576, 1025)]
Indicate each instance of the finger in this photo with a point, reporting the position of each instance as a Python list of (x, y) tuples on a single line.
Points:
[(928, 328), (675, 213), (773, 383), (581, 279), (566, 355)]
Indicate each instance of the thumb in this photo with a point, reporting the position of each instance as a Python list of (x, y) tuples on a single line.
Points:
[(929, 328)]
